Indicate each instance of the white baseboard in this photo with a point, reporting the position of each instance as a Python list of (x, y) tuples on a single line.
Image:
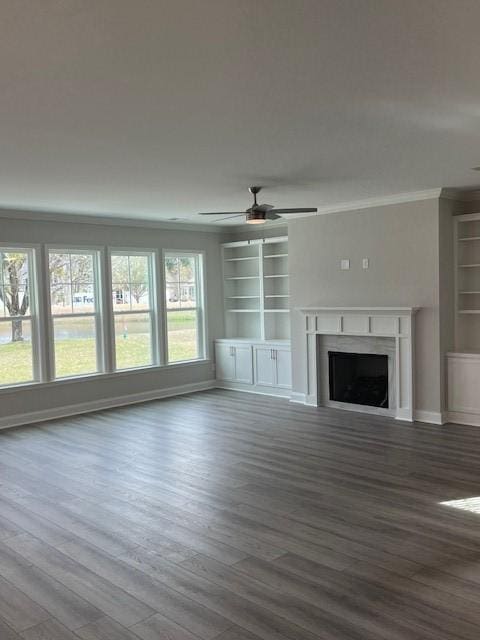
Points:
[(459, 417), (251, 388), (432, 417), (104, 403), (298, 398)]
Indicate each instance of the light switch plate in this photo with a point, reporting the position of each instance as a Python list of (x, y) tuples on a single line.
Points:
[(345, 264), (365, 263)]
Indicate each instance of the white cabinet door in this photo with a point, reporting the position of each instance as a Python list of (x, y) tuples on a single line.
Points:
[(243, 364), (464, 383), (225, 361), (283, 368), (264, 366)]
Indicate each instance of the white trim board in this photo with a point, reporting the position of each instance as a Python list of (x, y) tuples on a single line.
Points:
[(105, 403)]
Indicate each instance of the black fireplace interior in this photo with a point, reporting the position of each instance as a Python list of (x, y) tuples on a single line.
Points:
[(358, 378)]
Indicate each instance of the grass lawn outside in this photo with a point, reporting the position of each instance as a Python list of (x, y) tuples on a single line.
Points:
[(77, 356)]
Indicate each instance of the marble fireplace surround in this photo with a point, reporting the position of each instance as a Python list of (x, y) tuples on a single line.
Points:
[(396, 323)]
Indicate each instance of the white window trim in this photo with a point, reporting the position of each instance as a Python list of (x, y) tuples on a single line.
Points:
[(32, 250), (153, 311), (200, 308), (98, 314), (42, 318)]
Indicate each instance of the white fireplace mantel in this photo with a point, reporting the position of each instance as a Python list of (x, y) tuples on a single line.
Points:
[(385, 322)]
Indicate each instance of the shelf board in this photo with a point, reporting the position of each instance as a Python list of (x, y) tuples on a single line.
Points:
[(469, 239), (243, 310), (241, 259), (469, 311), (278, 295), (467, 293), (276, 255), (285, 275), (281, 310), (242, 278), (468, 266), (243, 297)]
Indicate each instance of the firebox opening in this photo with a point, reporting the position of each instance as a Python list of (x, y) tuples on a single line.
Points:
[(358, 378)]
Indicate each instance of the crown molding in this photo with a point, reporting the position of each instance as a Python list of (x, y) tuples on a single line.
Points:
[(472, 195), (46, 216), (351, 205), (370, 203)]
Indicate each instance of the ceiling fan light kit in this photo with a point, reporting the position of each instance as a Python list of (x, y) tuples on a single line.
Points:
[(255, 217), (258, 213)]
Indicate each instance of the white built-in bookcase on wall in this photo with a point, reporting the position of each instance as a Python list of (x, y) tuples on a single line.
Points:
[(467, 282), (256, 289)]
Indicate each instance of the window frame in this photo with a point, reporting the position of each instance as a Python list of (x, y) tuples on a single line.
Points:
[(38, 355), (200, 308), (154, 311), (98, 314)]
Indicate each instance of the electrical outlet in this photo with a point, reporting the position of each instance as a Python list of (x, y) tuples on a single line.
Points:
[(345, 264), (365, 263)]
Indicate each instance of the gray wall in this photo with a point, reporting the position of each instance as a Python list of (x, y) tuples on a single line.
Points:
[(65, 393), (402, 243)]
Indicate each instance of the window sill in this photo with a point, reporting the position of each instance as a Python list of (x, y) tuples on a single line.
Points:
[(102, 376)]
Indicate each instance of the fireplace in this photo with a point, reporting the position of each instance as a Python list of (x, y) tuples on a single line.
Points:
[(358, 378), (360, 330)]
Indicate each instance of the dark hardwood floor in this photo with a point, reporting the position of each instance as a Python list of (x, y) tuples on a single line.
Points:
[(236, 517)]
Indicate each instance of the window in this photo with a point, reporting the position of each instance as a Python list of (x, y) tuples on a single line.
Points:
[(75, 312), (184, 304), (17, 362), (133, 309)]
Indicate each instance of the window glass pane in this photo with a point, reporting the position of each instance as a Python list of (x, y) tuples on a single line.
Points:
[(16, 353), (139, 269), (14, 268), (59, 264), (72, 286), (61, 299), (83, 299), (182, 335), (120, 269), (121, 296), (81, 268), (14, 291), (15, 300), (172, 282), (133, 340), (75, 346)]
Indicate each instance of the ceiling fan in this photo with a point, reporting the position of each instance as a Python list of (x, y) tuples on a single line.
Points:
[(258, 213)]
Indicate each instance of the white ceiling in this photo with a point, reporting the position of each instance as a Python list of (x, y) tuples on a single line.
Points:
[(156, 109)]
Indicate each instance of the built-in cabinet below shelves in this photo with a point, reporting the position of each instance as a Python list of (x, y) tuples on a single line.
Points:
[(263, 367), (463, 364)]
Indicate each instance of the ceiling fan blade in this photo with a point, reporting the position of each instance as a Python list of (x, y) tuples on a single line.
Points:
[(271, 215), (222, 213), (301, 210), (238, 215)]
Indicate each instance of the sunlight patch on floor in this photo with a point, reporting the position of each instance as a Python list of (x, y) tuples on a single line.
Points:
[(466, 504)]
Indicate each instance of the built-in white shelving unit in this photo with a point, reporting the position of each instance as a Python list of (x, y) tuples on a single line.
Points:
[(467, 282), (256, 289), (464, 362)]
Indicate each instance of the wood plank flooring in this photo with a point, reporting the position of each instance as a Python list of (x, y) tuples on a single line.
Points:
[(230, 516)]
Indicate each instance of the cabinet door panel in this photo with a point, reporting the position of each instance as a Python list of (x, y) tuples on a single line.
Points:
[(243, 364), (264, 367), (283, 367), (225, 362)]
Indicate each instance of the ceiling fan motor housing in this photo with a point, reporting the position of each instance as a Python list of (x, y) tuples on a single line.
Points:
[(256, 217)]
